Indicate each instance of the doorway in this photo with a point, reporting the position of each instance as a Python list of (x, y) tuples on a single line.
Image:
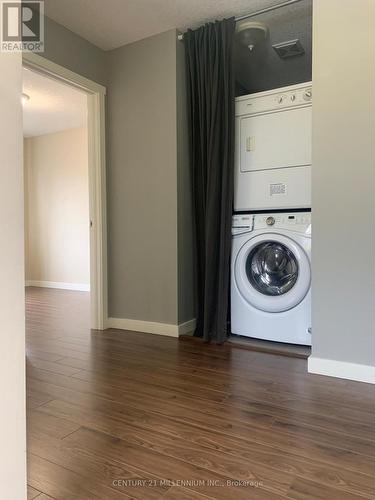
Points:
[(57, 233), (94, 95)]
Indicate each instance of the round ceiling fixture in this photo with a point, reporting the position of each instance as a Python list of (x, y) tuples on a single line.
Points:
[(251, 33), (24, 99)]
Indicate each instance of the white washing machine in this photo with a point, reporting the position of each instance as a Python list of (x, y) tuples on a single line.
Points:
[(271, 277), (273, 149)]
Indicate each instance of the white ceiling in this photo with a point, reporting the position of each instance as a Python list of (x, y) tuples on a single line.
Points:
[(52, 107), (112, 23)]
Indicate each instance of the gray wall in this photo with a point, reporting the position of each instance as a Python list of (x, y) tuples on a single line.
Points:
[(186, 270), (143, 173), (343, 181), (150, 253), (64, 47)]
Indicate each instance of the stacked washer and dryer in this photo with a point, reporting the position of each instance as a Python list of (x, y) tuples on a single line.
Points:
[(271, 249)]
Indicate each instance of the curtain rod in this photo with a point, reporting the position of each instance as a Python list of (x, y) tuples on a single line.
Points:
[(257, 13)]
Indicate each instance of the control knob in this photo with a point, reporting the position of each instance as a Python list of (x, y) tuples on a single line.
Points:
[(270, 221)]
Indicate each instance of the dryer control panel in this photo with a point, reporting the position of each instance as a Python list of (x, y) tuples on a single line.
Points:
[(293, 97), (274, 100)]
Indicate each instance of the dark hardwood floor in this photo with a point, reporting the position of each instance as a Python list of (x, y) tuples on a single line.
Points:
[(116, 415)]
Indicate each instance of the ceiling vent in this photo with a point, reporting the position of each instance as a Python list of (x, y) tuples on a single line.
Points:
[(288, 49)]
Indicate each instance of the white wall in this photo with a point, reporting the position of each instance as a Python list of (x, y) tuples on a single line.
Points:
[(12, 306), (57, 208), (343, 203)]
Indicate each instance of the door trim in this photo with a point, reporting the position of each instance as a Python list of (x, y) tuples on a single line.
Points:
[(97, 178)]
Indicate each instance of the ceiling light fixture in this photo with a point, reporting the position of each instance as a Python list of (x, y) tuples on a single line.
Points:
[(24, 99), (251, 33)]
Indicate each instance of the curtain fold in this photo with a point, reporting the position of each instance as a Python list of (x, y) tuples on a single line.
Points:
[(210, 86)]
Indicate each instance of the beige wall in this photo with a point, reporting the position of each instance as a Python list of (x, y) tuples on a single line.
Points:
[(343, 181), (57, 208), (12, 300), (143, 175)]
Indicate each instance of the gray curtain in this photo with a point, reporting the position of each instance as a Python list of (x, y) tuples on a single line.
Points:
[(210, 84)]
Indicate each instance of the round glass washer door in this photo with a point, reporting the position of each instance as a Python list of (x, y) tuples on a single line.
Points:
[(272, 272)]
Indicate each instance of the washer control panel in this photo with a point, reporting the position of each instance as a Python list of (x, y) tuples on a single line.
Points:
[(298, 221), (293, 221), (242, 223)]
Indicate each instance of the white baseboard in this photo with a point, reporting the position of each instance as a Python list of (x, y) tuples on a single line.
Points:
[(166, 329), (342, 369), (80, 287)]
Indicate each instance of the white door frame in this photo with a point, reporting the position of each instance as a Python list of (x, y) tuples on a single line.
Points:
[(97, 179)]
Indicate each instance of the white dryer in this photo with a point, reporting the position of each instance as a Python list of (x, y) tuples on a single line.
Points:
[(273, 149), (271, 277)]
